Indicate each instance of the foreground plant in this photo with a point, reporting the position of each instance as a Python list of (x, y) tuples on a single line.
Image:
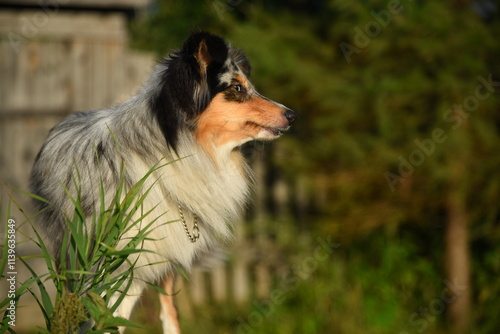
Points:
[(95, 267)]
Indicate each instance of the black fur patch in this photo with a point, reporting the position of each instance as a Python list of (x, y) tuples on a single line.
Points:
[(163, 108), (217, 47), (236, 92), (174, 105), (99, 154)]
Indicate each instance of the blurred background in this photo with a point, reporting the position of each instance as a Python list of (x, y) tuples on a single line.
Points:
[(378, 213)]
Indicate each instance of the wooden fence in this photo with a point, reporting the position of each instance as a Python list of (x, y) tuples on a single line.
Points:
[(49, 69)]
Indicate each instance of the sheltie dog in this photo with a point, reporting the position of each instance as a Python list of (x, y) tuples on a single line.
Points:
[(197, 108)]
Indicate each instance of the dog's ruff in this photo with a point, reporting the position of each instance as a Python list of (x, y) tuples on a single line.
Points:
[(197, 108)]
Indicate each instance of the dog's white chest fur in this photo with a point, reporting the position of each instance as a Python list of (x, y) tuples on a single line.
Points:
[(215, 193)]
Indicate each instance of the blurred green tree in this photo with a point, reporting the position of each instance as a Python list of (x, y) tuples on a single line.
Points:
[(398, 105)]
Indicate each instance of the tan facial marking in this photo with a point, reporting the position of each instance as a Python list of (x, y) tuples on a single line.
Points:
[(230, 121)]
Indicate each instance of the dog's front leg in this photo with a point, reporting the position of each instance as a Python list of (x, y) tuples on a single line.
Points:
[(168, 315), (125, 308)]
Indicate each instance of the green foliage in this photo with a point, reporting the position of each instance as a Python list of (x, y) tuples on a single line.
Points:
[(96, 264), (374, 291), (360, 115)]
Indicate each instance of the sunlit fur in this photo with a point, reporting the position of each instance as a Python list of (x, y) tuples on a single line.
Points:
[(197, 105)]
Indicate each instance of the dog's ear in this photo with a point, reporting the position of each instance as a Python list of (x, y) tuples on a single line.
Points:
[(204, 50)]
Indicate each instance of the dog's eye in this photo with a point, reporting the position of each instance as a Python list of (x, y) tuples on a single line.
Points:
[(238, 88)]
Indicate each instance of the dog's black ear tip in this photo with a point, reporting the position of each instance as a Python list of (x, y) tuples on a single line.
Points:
[(215, 45)]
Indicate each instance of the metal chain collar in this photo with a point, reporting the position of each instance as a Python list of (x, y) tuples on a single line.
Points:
[(196, 231)]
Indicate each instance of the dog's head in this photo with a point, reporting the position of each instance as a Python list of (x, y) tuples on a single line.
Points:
[(205, 89)]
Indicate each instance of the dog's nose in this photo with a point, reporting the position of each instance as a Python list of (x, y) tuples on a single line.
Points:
[(290, 116)]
